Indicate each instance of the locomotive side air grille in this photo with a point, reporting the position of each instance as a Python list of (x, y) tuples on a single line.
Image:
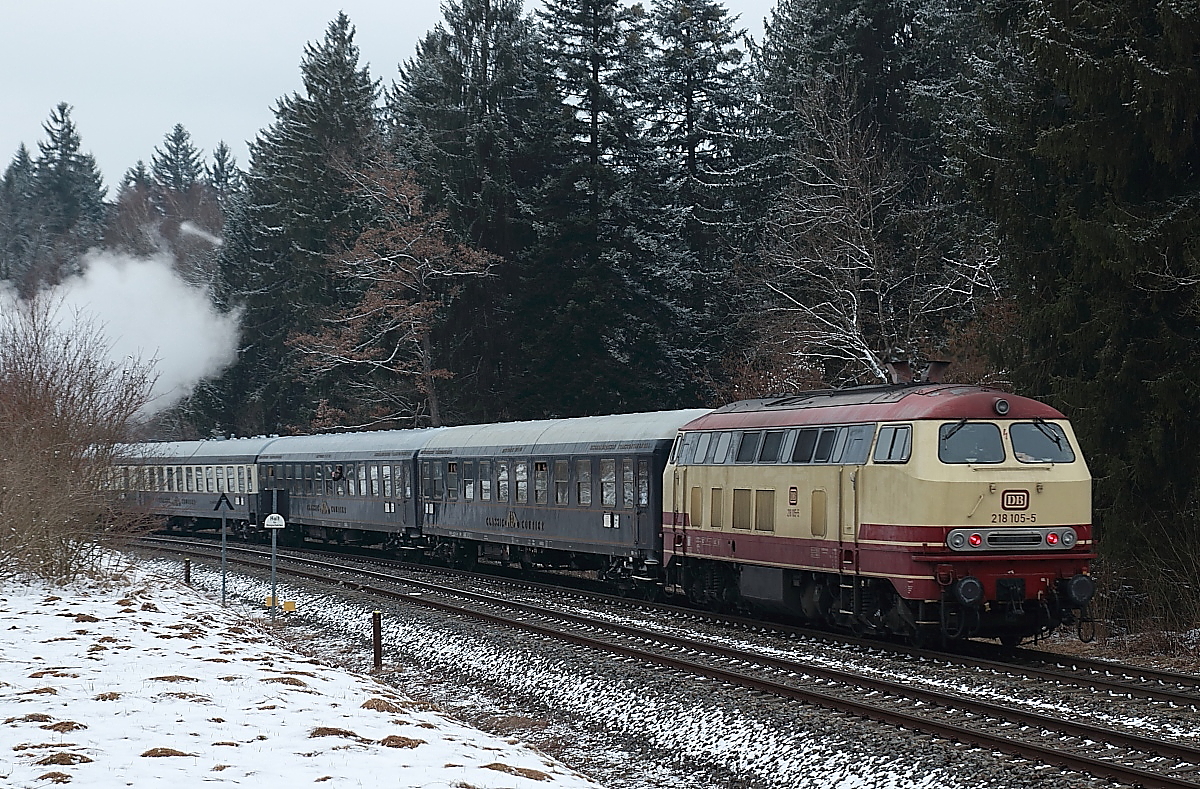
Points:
[(1012, 540)]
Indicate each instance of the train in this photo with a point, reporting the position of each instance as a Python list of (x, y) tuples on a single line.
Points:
[(920, 510)]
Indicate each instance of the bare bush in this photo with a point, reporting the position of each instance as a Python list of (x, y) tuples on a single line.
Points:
[(65, 407)]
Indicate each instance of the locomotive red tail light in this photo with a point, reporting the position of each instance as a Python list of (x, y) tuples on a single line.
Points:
[(1052, 538), (975, 540)]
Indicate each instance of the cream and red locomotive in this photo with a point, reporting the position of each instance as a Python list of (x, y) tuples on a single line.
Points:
[(924, 510)]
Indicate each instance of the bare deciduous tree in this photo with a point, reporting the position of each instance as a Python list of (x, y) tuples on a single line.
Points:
[(65, 407), (857, 266), (398, 273)]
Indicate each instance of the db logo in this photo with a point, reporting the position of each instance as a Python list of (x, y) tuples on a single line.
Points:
[(1015, 499)]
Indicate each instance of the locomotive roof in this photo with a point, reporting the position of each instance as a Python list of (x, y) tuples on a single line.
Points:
[(620, 432), (232, 450), (348, 446), (891, 403)]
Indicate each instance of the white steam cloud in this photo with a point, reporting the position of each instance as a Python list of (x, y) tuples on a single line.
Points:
[(147, 312), (192, 229)]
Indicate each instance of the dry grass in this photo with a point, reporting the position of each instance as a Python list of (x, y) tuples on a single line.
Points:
[(63, 758), (291, 681), (108, 696), (166, 752), (396, 741), (173, 678), (329, 731), (86, 618), (382, 705), (29, 746), (55, 778), (524, 772), (62, 727), (33, 717), (40, 692)]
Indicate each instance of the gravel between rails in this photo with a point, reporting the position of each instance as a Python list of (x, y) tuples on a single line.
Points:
[(627, 724)]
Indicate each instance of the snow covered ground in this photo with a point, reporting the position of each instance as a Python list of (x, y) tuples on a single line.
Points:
[(144, 683)]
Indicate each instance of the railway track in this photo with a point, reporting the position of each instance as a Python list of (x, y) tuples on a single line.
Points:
[(1075, 745)]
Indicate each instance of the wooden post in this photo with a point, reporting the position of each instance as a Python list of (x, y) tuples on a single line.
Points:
[(187, 571), (377, 638)]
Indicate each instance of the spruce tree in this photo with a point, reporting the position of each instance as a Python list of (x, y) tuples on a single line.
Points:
[(177, 165), (68, 180), (22, 220), (470, 113), (223, 176), (294, 211), (1093, 169)]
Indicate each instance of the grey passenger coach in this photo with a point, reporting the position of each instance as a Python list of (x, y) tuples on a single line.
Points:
[(582, 493)]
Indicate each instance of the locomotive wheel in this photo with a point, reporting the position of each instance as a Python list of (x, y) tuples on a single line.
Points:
[(1011, 640)]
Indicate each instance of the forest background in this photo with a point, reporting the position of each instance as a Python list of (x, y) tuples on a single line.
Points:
[(600, 207)]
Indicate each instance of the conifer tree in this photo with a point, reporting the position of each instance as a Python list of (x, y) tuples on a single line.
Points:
[(177, 165), (1093, 169), (22, 221), (223, 175), (294, 209), (68, 180)]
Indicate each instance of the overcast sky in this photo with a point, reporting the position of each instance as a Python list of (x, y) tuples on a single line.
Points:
[(132, 69)]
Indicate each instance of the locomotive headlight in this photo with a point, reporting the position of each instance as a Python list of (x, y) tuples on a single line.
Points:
[(1001, 406), (1068, 538), (975, 540), (1052, 538), (969, 590), (958, 540)]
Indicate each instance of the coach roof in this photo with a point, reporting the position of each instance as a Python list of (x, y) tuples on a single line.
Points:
[(581, 434), (232, 450), (348, 446)]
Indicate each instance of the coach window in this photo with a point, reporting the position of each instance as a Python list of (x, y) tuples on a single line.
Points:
[(703, 444), (362, 479), (171, 479), (721, 453), (161, 479), (439, 480), (970, 442), (643, 483), (468, 476), (608, 482), (387, 480), (241, 474), (485, 480), (521, 478), (894, 445), (771, 445), (452, 480), (583, 482), (806, 444), (407, 474), (502, 481), (748, 447), (229, 479), (374, 479), (427, 479), (210, 484), (221, 479), (541, 473), (561, 484), (189, 483), (627, 483)]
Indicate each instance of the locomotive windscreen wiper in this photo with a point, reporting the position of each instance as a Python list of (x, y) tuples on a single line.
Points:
[(1040, 424), (959, 426)]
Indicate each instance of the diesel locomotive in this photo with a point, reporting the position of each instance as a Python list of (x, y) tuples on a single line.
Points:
[(928, 511)]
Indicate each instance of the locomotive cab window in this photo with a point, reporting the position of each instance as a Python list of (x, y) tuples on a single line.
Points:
[(894, 445), (970, 442), (771, 445), (806, 443), (1040, 442), (858, 444)]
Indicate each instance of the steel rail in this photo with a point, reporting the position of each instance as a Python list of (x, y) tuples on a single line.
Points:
[(952, 731)]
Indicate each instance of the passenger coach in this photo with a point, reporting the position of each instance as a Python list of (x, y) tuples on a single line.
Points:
[(582, 493)]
